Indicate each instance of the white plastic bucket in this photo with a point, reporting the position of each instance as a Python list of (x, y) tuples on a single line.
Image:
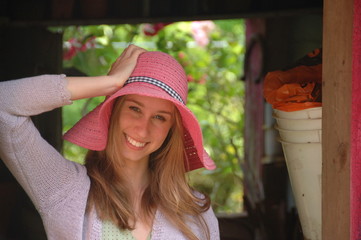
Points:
[(309, 113), (299, 124), (304, 164), (300, 136)]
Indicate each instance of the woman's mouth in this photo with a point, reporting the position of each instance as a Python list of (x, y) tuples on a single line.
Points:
[(134, 142)]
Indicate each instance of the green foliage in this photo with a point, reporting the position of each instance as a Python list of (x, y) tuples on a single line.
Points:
[(216, 94)]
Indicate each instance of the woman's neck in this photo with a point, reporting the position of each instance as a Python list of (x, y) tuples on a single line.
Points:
[(137, 176)]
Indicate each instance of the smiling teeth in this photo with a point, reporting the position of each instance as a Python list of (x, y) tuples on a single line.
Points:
[(135, 143)]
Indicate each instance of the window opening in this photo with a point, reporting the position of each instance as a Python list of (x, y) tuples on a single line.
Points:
[(212, 54)]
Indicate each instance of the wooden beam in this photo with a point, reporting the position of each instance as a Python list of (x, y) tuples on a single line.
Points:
[(155, 19), (337, 88)]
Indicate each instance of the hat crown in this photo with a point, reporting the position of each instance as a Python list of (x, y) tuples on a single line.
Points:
[(164, 68), (159, 75)]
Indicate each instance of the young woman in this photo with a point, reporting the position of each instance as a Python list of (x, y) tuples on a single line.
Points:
[(142, 140)]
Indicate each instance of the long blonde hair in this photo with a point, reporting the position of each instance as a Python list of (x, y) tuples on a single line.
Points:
[(168, 189)]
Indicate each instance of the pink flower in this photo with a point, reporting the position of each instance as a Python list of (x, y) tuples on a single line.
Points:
[(88, 44), (70, 53), (153, 29), (74, 46), (201, 31), (181, 55), (203, 79), (190, 78), (74, 42)]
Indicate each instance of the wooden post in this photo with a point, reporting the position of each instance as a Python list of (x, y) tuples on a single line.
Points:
[(337, 82)]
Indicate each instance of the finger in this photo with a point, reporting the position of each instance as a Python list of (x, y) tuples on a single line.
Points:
[(126, 50), (138, 51), (134, 49)]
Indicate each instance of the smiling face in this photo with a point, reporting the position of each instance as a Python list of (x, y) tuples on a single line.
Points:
[(144, 123)]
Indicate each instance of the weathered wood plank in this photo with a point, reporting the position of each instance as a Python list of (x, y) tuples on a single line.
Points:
[(337, 82)]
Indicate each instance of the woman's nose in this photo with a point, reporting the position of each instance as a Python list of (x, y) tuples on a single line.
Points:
[(143, 127)]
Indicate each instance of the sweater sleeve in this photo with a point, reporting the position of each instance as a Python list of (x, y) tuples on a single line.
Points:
[(212, 223), (48, 178)]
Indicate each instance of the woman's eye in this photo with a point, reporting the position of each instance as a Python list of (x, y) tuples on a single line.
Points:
[(135, 109), (159, 117)]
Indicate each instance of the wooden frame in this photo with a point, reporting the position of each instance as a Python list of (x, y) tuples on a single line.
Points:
[(337, 88)]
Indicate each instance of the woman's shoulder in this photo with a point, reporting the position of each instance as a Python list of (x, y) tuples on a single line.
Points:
[(199, 194), (209, 217), (212, 223)]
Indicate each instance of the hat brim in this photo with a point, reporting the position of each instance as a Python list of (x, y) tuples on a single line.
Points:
[(91, 131)]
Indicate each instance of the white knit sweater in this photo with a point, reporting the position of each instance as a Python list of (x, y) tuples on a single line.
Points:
[(58, 187)]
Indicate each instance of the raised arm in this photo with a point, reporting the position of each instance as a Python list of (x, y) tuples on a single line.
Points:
[(86, 87), (44, 174)]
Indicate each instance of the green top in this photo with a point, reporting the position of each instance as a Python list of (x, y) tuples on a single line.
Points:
[(111, 232)]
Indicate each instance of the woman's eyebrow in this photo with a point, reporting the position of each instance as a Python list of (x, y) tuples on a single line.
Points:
[(135, 101), (142, 105), (166, 112)]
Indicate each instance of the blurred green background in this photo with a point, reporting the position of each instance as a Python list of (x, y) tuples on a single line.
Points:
[(212, 54)]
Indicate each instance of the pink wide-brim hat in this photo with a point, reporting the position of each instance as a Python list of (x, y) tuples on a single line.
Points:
[(158, 75)]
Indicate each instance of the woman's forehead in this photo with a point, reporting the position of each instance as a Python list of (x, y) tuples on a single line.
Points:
[(150, 102)]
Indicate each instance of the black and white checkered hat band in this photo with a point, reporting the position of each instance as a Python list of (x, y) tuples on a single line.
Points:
[(157, 83)]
